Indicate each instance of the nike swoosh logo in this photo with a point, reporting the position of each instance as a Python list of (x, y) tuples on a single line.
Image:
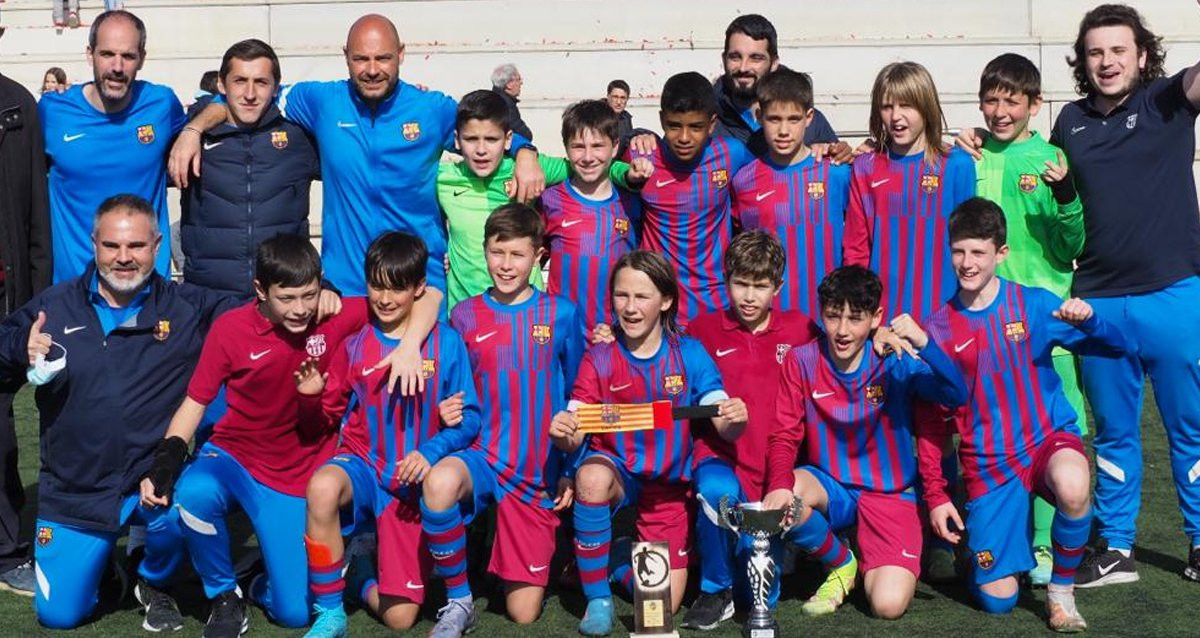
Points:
[(366, 372), (534, 570), (663, 182), (1076, 129), (72, 138), (683, 552), (68, 331), (906, 554), (346, 124), (959, 347), (567, 223), (821, 395), (721, 353), (878, 183), (481, 338), (208, 146), (1104, 569), (761, 196), (255, 356), (457, 193), (618, 388), (412, 585)]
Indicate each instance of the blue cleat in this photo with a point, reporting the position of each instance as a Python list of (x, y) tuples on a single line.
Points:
[(329, 623), (598, 619)]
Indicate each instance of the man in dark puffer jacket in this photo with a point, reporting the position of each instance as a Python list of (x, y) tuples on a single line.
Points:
[(254, 183)]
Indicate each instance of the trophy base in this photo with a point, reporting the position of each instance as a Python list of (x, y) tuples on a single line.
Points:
[(672, 634), (771, 631)]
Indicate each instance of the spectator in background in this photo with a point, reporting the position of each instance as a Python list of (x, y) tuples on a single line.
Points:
[(617, 96), (506, 82), (24, 271), (55, 81), (208, 88), (66, 13)]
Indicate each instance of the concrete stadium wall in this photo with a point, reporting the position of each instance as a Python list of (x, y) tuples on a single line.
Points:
[(569, 49)]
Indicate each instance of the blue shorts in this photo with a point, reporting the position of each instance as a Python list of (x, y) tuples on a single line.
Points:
[(999, 533)]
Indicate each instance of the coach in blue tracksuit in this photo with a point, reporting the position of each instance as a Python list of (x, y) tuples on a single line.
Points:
[(1131, 141), (118, 346), (256, 172)]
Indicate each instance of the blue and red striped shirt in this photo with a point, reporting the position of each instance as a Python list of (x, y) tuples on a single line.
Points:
[(687, 219), (803, 205), (524, 359), (382, 428), (856, 426), (680, 372), (586, 237), (1004, 352), (896, 225)]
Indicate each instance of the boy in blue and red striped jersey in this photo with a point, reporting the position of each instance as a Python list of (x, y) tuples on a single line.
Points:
[(791, 194), (902, 194), (851, 410), (647, 361), (686, 203), (387, 446), (748, 342), (590, 222), (524, 347), (1018, 432)]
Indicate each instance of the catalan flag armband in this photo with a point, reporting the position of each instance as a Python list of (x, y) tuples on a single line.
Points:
[(598, 418)]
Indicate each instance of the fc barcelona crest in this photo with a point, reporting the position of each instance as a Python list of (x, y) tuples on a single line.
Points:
[(1027, 183), (985, 559), (315, 346), (930, 183), (411, 131), (673, 384), (720, 177), (610, 414), (781, 350), (621, 226), (1015, 331), (428, 368), (874, 393), (162, 330), (45, 535), (279, 139), (541, 333), (145, 133), (816, 190)]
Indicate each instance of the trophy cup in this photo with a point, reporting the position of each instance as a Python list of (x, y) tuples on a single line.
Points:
[(761, 525)]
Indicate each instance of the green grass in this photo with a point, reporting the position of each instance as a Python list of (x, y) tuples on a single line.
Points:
[(1159, 605)]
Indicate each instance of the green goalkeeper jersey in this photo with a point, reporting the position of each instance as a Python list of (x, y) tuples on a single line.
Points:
[(1044, 237), (467, 199)]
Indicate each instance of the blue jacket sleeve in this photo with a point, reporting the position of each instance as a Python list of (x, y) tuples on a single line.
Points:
[(14, 339), (938, 380), (574, 342), (298, 103), (820, 131), (456, 377)]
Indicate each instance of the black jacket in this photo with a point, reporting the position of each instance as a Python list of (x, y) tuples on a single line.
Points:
[(24, 203), (104, 414), (253, 185), (515, 123)]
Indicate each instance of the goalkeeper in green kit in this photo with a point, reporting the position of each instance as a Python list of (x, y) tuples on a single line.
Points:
[(1028, 177)]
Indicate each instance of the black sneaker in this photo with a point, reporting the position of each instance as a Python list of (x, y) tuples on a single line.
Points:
[(227, 618), (162, 614), (1106, 567), (709, 610), (1192, 571)]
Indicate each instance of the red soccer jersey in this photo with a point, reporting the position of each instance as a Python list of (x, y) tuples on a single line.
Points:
[(750, 365), (256, 359)]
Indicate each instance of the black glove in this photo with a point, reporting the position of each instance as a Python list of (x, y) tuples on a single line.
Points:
[(168, 463), (1063, 190)]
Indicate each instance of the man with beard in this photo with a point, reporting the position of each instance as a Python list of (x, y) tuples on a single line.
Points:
[(111, 352), (107, 136), (752, 51)]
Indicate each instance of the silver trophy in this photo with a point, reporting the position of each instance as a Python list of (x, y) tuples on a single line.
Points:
[(751, 519)]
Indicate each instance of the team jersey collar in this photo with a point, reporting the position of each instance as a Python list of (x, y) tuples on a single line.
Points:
[(517, 307), (663, 345), (1090, 103), (135, 91), (730, 322), (384, 105), (991, 144), (577, 196), (1000, 294)]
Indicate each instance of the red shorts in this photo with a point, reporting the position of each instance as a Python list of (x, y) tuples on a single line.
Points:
[(1034, 478), (404, 560), (664, 513), (524, 542), (889, 525)]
